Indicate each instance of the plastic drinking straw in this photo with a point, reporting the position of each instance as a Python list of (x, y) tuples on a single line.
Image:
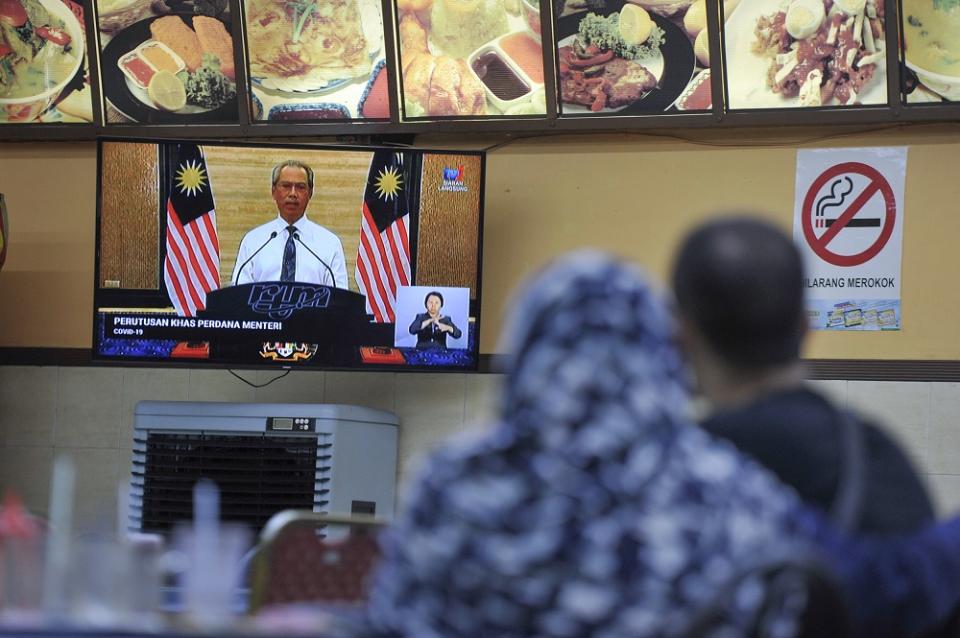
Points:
[(123, 510), (206, 570), (58, 537)]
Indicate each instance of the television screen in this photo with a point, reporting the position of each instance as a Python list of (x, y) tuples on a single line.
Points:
[(281, 255)]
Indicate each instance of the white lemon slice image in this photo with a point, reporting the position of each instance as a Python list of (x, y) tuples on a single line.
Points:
[(167, 91), (701, 47), (635, 24)]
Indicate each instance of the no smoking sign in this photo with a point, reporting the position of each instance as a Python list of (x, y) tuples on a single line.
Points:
[(848, 214), (848, 226)]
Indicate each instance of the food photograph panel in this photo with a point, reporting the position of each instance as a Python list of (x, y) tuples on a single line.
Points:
[(44, 74), (805, 53), (167, 61), (931, 51), (313, 60), (470, 58), (618, 58)]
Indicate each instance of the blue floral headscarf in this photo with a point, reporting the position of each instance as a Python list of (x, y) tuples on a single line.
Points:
[(593, 508)]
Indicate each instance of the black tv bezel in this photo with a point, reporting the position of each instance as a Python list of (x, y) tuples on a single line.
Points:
[(318, 366)]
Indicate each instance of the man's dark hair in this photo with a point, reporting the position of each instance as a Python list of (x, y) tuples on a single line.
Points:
[(433, 293), (740, 282)]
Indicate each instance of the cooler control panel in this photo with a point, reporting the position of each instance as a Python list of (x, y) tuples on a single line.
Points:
[(291, 424)]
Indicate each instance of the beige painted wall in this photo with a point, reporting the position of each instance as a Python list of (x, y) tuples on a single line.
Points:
[(632, 194), (46, 285)]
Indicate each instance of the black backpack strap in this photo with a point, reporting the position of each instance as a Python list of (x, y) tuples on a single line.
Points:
[(848, 504)]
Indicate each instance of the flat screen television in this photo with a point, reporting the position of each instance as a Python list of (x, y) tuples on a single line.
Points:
[(241, 254)]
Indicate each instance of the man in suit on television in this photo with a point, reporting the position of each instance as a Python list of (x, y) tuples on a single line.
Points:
[(291, 247)]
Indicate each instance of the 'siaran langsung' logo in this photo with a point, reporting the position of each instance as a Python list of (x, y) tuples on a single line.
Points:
[(453, 180)]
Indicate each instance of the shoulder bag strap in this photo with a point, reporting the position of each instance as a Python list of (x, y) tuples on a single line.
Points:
[(846, 509)]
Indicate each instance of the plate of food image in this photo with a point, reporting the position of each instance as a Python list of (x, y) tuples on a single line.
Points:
[(806, 53), (176, 68), (312, 47), (308, 112), (375, 101), (470, 58), (622, 60)]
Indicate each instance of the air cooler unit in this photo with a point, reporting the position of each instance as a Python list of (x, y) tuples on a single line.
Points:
[(265, 457)]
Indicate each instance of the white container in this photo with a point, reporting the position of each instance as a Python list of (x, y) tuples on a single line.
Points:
[(160, 45), (524, 79)]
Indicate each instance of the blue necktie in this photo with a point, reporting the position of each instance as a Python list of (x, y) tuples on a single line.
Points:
[(289, 270)]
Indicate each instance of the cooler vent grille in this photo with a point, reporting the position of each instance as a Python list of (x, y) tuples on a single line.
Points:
[(258, 474)]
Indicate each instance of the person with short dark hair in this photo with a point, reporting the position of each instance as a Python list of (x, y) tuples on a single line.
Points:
[(432, 327), (291, 247), (738, 283)]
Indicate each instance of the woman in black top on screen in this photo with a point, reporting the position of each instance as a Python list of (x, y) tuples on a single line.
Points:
[(431, 327)]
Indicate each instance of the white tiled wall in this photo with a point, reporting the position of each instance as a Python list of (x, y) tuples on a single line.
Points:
[(923, 417), (88, 414)]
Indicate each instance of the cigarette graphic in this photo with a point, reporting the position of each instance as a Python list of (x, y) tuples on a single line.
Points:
[(868, 222), (832, 200)]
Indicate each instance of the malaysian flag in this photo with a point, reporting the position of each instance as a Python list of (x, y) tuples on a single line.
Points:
[(384, 256), (192, 265)]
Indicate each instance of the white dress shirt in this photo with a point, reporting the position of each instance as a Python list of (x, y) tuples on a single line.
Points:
[(268, 263)]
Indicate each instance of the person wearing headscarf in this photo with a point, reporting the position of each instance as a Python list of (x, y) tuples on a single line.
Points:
[(595, 509)]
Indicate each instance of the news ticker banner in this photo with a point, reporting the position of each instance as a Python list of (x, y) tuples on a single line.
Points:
[(153, 335), (848, 225), (132, 325)]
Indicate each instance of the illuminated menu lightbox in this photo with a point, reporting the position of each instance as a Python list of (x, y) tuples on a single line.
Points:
[(316, 60), (805, 53), (44, 74), (169, 62), (622, 58), (470, 59), (931, 41)]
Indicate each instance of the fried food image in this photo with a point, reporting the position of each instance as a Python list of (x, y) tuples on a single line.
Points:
[(458, 27), (417, 72), (172, 31), (436, 85), (298, 45), (413, 37), (454, 90), (215, 40)]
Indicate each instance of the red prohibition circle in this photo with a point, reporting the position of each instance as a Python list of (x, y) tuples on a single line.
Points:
[(878, 182)]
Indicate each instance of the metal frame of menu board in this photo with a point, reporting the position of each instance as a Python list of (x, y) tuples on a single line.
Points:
[(894, 111)]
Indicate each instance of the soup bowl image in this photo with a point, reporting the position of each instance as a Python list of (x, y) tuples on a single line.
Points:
[(32, 98), (932, 44), (947, 86)]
